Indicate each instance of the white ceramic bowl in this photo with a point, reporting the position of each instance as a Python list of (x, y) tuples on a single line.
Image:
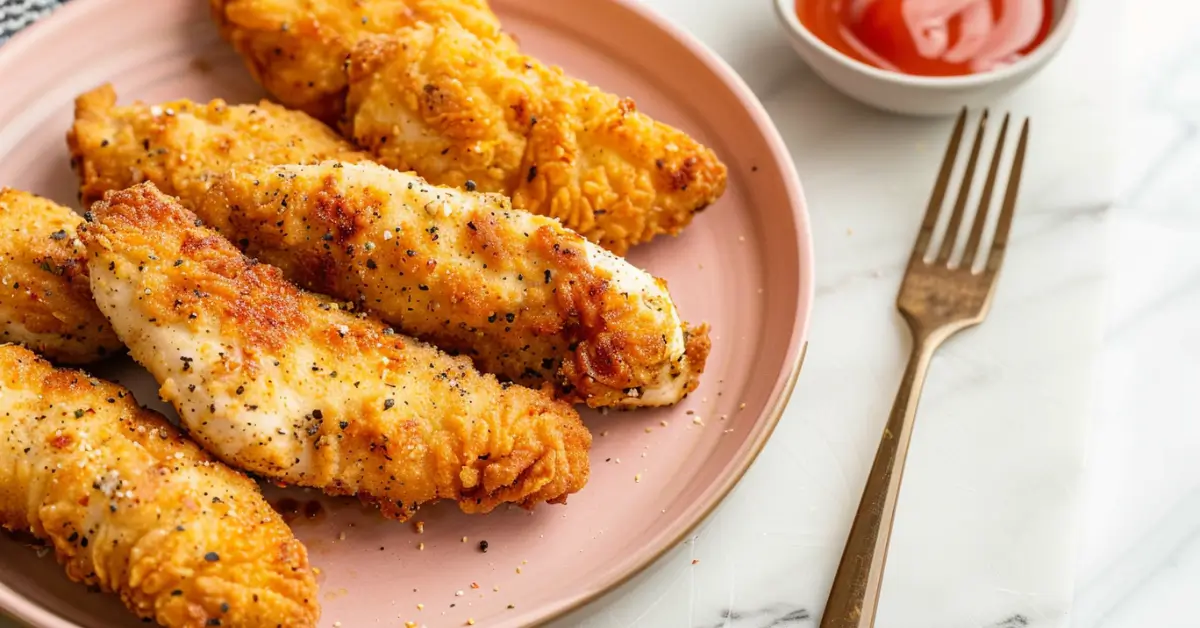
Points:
[(919, 95)]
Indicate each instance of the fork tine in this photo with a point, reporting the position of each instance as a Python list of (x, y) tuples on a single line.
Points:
[(964, 191), (939, 190), (1010, 203), (985, 200)]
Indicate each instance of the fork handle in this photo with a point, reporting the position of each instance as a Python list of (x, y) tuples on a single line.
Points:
[(854, 597)]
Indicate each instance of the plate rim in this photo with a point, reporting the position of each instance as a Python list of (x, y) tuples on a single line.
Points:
[(26, 610)]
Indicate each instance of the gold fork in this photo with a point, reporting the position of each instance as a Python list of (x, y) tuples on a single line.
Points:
[(937, 298)]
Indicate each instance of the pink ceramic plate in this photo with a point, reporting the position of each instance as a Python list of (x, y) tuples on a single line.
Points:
[(745, 266)]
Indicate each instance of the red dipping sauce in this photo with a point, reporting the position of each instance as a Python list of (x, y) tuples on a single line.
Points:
[(930, 37)]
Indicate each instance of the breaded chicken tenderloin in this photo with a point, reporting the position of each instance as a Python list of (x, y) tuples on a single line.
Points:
[(181, 145), (466, 111), (288, 385), (133, 507), (45, 301), (298, 48), (524, 297)]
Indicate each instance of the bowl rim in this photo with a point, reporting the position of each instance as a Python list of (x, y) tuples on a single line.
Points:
[(797, 31)]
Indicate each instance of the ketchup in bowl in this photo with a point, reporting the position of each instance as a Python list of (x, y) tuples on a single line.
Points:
[(930, 37)]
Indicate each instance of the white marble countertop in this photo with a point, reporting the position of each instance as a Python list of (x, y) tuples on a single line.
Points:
[(1088, 350), (996, 490)]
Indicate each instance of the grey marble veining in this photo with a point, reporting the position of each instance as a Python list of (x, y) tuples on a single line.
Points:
[(988, 528), (1092, 349)]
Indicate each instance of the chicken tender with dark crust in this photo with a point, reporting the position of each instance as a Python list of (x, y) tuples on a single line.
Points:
[(45, 301), (524, 297), (181, 145), (297, 49), (289, 385), (465, 111), (131, 506)]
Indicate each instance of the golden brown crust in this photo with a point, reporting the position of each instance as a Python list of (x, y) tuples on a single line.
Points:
[(297, 50), (181, 145), (518, 293), (288, 385), (45, 301), (132, 506), (455, 107)]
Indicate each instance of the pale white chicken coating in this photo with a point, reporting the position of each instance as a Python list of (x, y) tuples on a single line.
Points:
[(288, 385), (523, 296), (133, 507)]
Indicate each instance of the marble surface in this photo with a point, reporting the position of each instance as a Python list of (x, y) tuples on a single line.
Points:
[(988, 528), (1052, 480)]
